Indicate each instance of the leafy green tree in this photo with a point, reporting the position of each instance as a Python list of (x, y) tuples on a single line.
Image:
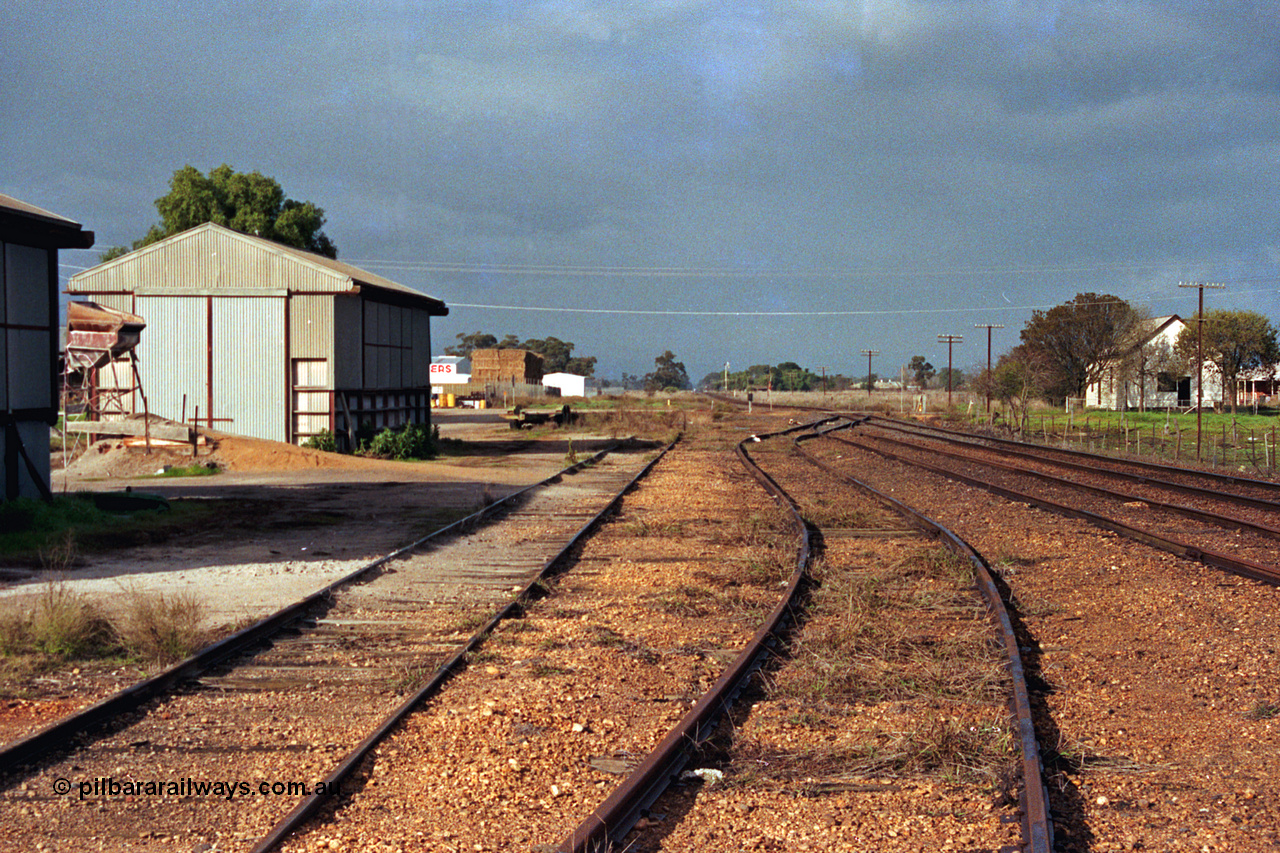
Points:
[(248, 202), (1076, 341), (957, 378), (469, 343), (558, 357), (921, 370), (667, 373), (1235, 341), (1018, 377)]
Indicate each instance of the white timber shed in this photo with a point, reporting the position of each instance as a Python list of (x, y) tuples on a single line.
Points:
[(29, 242), (255, 338)]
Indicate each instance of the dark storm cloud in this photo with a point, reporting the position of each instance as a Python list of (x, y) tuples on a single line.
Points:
[(884, 154)]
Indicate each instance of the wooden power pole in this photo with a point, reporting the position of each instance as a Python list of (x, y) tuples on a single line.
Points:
[(868, 353), (1200, 285), (949, 340), (988, 327)]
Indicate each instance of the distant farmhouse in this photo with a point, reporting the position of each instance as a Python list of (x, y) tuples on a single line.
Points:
[(255, 338), (1147, 376), (29, 242)]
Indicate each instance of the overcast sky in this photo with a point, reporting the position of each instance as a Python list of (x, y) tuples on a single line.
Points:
[(772, 180)]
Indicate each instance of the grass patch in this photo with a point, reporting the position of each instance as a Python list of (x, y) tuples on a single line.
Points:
[(159, 627), (762, 569), (410, 678), (546, 670), (1263, 711), (471, 623), (641, 528), (891, 635), (206, 469), (29, 529), (58, 624), (953, 749)]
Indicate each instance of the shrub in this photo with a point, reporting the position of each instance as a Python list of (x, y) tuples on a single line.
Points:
[(59, 623), (411, 442), (322, 440)]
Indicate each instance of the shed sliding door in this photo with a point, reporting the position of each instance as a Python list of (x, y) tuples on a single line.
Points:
[(227, 355)]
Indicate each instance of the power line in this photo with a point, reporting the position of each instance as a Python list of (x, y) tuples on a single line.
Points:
[(665, 313), (605, 270)]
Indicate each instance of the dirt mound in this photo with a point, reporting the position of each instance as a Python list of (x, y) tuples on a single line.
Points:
[(237, 453), (114, 458)]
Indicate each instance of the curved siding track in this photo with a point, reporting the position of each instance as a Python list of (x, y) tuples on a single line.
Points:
[(885, 728), (1154, 677)]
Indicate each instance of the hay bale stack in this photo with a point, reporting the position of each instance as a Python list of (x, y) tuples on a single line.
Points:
[(514, 366)]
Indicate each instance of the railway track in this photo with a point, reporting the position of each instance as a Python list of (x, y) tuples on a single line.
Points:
[(217, 749), (587, 707), (1151, 506), (1229, 488), (1155, 677), (811, 782), (608, 678)]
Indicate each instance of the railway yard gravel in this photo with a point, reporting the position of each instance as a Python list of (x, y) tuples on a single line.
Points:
[(544, 722), (1154, 680), (1157, 676), (884, 727), (285, 715)]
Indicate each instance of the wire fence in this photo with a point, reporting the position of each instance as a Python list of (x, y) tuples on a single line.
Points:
[(1225, 444)]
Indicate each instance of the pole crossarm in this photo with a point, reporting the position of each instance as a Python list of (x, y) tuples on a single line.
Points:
[(868, 353)]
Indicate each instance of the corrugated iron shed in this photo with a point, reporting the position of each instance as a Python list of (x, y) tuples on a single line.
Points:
[(268, 340)]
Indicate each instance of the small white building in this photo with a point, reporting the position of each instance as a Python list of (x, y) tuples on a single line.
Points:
[(568, 384), (1148, 376)]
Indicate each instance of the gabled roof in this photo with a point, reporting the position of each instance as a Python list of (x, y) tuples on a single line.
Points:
[(336, 275), (21, 222), (1148, 330)]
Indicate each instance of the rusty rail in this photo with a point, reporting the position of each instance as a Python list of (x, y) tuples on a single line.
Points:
[(891, 423), (513, 609), (618, 814), (1037, 826), (1226, 521), (59, 736), (1217, 559)]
